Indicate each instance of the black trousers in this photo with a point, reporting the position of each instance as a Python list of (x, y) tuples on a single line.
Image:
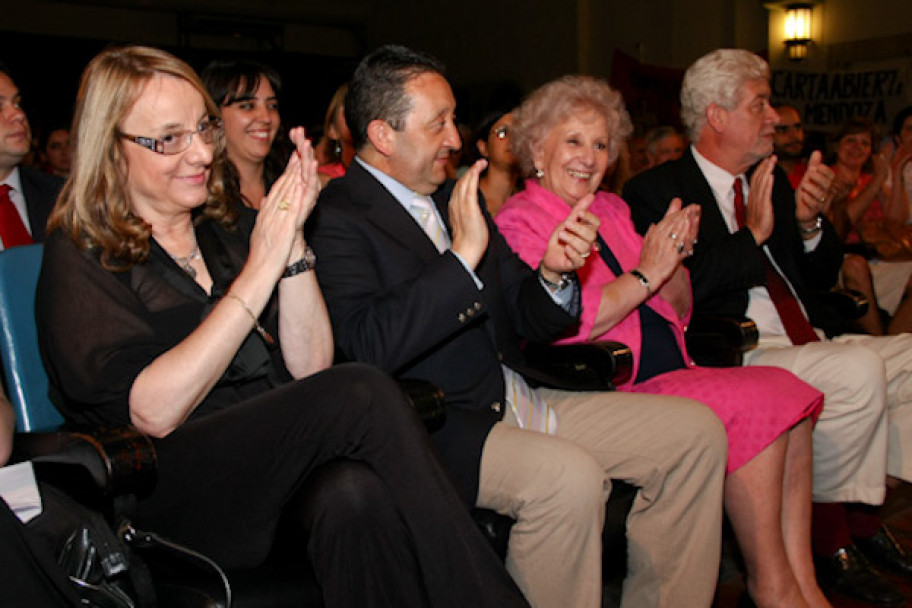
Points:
[(393, 534)]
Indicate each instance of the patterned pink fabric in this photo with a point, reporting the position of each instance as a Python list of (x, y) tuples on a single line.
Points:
[(756, 404)]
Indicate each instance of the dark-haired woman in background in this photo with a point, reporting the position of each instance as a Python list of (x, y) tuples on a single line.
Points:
[(247, 93), (501, 178)]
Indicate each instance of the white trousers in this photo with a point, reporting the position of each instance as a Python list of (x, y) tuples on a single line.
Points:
[(865, 429)]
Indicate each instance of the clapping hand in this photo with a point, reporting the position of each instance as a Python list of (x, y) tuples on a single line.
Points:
[(668, 243), (470, 231), (814, 194), (571, 242)]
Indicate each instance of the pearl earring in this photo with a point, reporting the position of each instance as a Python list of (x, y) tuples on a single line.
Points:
[(539, 173)]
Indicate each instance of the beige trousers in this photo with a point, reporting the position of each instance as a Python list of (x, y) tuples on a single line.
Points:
[(865, 429), (673, 449)]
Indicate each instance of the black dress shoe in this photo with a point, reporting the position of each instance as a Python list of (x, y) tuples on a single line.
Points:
[(884, 551), (849, 573)]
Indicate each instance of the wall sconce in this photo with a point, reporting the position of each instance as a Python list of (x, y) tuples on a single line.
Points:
[(798, 30)]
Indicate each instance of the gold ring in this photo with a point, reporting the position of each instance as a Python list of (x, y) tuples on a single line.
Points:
[(283, 205)]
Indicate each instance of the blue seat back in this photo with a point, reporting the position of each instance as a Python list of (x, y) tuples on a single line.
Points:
[(26, 380)]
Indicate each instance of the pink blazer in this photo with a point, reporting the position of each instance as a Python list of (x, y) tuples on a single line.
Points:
[(527, 220)]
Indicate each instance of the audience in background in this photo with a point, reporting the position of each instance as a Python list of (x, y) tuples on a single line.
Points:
[(638, 156), (55, 152), (247, 92), (870, 217), (902, 144), (856, 272), (337, 140), (861, 198), (618, 172), (788, 143), (26, 194), (500, 178), (664, 144)]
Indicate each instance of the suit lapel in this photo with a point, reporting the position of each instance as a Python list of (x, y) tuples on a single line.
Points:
[(384, 211), (697, 189), (33, 205)]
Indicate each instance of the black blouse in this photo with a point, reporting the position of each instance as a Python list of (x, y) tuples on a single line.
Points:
[(99, 329)]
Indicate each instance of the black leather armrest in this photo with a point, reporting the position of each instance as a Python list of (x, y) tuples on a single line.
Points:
[(847, 303), (113, 462), (721, 341), (427, 399), (594, 366)]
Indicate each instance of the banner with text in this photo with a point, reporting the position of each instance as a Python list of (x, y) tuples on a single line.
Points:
[(826, 99)]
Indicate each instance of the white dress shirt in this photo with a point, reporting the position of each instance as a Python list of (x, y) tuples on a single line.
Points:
[(760, 306)]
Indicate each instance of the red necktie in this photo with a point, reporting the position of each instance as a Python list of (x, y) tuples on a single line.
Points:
[(796, 325), (12, 230)]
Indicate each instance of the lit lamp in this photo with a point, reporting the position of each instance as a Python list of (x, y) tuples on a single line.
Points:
[(797, 30)]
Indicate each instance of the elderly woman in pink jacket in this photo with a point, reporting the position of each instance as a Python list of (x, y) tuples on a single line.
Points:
[(636, 290)]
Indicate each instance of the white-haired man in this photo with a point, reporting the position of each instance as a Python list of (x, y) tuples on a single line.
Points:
[(763, 247)]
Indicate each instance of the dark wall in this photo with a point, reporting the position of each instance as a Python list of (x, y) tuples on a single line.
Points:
[(47, 71)]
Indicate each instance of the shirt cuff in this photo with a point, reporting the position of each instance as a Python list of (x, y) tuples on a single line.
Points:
[(563, 297), (471, 272), (811, 243)]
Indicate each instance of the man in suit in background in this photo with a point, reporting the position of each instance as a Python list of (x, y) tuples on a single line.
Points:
[(419, 282), (762, 248), (26, 195)]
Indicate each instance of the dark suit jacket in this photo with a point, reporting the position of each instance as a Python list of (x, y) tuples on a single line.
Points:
[(40, 190), (725, 265), (396, 303)]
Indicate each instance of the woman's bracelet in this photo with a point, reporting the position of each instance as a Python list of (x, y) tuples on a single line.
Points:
[(256, 322), (639, 276)]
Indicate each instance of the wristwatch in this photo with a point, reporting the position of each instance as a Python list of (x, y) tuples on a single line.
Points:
[(565, 279), (308, 262), (817, 227)]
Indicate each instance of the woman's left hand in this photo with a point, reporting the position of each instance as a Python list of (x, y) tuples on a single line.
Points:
[(571, 242), (289, 203), (308, 168), (668, 243)]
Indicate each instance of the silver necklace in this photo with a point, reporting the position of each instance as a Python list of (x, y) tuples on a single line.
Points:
[(184, 262)]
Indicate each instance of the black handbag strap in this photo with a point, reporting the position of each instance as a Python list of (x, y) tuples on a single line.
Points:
[(659, 351)]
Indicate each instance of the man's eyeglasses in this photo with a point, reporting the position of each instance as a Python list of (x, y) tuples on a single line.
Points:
[(501, 132), (175, 143)]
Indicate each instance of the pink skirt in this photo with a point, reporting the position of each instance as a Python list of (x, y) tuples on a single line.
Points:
[(756, 404)]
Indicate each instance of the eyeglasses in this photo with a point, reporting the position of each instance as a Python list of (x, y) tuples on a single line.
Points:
[(501, 132), (175, 143)]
